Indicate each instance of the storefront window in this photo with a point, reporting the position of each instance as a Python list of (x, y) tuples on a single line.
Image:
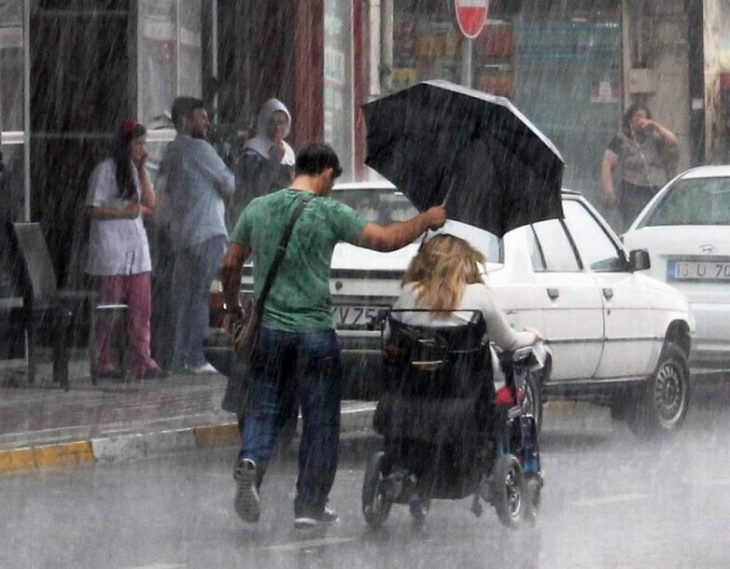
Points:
[(561, 66), (12, 127), (338, 96), (568, 81), (12, 156), (427, 45), (170, 56)]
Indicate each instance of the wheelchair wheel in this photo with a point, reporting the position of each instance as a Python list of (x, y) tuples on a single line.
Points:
[(375, 503), (533, 395), (509, 490), (534, 499), (419, 508)]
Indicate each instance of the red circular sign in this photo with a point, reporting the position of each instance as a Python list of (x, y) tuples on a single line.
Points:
[(471, 15)]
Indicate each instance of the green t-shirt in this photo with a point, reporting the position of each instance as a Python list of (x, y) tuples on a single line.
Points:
[(299, 299)]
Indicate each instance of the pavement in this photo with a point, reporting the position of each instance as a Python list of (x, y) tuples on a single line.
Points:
[(43, 426)]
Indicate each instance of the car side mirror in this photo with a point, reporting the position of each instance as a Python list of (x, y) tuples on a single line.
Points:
[(639, 260)]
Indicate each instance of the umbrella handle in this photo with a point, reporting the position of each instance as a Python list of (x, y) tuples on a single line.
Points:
[(423, 240)]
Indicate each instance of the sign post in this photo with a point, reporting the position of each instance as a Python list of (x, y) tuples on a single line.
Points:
[(471, 16)]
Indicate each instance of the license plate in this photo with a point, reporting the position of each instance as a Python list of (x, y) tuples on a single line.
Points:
[(698, 271), (353, 315)]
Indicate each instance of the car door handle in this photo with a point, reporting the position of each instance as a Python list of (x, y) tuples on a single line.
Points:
[(553, 293), (608, 293)]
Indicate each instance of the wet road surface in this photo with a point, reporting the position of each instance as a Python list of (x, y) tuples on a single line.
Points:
[(610, 501)]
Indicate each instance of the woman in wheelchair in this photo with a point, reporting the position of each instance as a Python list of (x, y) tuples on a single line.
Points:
[(441, 427), (444, 287), (445, 279)]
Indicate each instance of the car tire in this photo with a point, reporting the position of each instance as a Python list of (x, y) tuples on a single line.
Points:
[(663, 403)]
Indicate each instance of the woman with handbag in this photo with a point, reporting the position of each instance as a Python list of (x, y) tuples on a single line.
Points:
[(646, 153)]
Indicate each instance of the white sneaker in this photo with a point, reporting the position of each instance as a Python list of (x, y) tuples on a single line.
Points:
[(205, 369), (326, 517), (246, 502)]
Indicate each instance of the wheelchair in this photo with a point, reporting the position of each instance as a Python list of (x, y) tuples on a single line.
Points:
[(447, 434)]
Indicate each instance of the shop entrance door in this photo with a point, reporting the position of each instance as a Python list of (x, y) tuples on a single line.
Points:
[(13, 101), (13, 164)]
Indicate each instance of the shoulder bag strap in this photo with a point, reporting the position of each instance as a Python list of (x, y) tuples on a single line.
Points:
[(280, 250)]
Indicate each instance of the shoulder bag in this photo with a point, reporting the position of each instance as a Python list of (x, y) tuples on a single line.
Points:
[(246, 332)]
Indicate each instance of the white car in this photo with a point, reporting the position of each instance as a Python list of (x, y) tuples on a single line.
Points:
[(611, 329), (686, 229), (617, 336)]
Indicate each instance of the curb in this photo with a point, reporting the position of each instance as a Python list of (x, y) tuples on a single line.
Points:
[(135, 446)]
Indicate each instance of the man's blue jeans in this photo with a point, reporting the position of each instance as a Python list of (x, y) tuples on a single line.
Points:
[(306, 365), (195, 268)]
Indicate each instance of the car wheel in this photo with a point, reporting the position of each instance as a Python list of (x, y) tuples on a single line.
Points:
[(663, 406), (533, 399)]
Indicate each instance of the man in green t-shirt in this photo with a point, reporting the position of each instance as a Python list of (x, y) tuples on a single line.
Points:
[(297, 353)]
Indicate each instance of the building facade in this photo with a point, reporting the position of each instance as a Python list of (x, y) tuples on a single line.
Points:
[(72, 70)]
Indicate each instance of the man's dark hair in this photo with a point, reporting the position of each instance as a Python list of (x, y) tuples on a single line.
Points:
[(182, 107), (315, 159)]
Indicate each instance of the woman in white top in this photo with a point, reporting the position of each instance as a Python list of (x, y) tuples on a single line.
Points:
[(119, 189), (445, 275)]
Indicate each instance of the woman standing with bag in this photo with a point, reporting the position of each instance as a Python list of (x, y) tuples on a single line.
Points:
[(646, 153), (119, 189)]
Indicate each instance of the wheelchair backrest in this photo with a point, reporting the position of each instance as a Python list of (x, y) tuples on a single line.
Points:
[(448, 360)]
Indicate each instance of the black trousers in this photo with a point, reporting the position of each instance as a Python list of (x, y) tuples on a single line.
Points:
[(632, 199)]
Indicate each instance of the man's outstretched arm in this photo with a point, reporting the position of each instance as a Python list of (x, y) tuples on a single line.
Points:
[(397, 235)]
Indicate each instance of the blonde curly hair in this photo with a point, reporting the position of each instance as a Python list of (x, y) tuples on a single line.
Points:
[(443, 267)]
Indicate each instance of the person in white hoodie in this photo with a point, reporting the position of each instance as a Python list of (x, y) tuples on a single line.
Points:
[(267, 162)]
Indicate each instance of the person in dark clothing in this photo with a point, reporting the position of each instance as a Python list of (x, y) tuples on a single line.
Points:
[(646, 153), (267, 162)]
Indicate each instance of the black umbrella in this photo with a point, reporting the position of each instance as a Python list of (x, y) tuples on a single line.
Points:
[(442, 143)]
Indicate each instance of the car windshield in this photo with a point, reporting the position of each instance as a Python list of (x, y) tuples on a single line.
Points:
[(386, 205), (378, 205), (698, 201)]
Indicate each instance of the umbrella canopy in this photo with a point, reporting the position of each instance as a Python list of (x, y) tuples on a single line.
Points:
[(442, 143)]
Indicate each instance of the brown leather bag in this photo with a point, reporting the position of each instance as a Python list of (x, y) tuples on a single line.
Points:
[(246, 331)]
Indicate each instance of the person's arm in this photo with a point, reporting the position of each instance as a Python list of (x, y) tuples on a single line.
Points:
[(149, 197), (102, 186), (397, 235), (214, 169), (667, 135), (236, 255), (610, 159), (104, 213), (499, 331)]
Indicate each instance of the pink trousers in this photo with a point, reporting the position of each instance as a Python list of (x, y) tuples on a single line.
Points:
[(136, 292)]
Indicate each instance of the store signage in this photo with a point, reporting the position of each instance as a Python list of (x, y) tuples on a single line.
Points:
[(471, 16)]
